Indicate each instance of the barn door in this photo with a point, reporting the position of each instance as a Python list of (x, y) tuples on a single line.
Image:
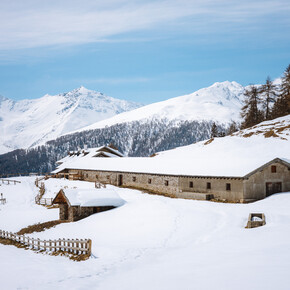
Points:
[(120, 180), (273, 187)]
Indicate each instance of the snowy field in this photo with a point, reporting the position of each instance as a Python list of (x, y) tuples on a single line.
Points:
[(151, 242)]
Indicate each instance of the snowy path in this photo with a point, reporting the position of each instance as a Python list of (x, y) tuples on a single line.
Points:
[(153, 242)]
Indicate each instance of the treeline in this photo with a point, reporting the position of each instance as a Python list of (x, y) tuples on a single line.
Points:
[(266, 102), (133, 139)]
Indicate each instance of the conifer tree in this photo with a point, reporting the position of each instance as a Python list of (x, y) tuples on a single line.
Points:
[(268, 94), (232, 128), (214, 130), (250, 112), (282, 104)]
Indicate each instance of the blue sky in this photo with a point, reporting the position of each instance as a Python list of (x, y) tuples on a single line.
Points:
[(144, 51)]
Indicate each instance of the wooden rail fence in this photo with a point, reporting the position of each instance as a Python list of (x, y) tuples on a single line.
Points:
[(39, 199), (74, 246), (5, 175), (9, 181), (3, 200), (99, 185), (43, 201)]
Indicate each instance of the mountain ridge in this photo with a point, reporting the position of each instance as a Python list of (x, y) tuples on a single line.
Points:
[(222, 98), (28, 122)]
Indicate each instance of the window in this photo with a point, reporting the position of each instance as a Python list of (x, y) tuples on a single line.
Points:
[(208, 185), (97, 177), (134, 178), (87, 175), (108, 177), (149, 180), (190, 184), (166, 182), (273, 169), (228, 186)]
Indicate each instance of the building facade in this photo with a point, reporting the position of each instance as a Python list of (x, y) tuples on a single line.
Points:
[(268, 179)]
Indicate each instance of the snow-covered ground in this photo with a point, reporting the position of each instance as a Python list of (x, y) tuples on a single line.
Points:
[(151, 242)]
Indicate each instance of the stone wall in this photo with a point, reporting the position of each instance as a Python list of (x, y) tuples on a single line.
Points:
[(255, 185), (76, 213), (63, 211), (106, 177), (217, 187), (230, 189), (162, 184)]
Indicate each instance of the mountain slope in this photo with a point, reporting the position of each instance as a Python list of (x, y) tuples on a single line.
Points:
[(33, 122), (220, 102), (161, 126), (236, 155)]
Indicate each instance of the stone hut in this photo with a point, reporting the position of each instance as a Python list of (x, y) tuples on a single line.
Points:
[(76, 204)]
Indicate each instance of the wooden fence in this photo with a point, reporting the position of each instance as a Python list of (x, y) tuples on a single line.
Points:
[(10, 181), (39, 199), (75, 246), (3, 175), (3, 200), (43, 201), (99, 185)]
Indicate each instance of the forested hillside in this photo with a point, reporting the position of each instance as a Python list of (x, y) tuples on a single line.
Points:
[(133, 139)]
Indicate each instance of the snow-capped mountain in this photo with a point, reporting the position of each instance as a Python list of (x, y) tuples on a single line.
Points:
[(220, 102), (28, 123)]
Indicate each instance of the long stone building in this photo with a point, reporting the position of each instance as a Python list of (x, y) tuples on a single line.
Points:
[(271, 177)]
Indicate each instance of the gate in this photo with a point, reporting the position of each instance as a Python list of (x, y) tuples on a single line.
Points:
[(273, 187)]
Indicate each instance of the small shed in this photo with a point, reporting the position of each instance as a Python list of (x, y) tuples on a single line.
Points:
[(76, 204)]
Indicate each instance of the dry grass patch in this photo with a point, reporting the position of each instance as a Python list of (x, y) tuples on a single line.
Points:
[(208, 141), (281, 129), (270, 133), (248, 134), (40, 227)]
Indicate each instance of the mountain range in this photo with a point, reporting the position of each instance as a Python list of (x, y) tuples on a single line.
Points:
[(28, 123), (140, 132), (221, 103)]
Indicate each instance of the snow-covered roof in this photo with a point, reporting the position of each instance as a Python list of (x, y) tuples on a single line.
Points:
[(93, 197), (232, 156), (89, 153)]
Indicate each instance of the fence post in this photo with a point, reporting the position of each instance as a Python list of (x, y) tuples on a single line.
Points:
[(89, 243)]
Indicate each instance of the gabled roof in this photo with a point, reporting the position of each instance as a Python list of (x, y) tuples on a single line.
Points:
[(91, 152), (88, 197), (284, 161)]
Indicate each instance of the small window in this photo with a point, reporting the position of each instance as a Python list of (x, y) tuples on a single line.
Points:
[(97, 176), (87, 175), (273, 169), (228, 186), (108, 177), (166, 182), (134, 178), (190, 184), (149, 180), (208, 185)]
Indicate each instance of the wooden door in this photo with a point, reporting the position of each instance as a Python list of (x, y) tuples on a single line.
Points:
[(273, 187), (120, 180)]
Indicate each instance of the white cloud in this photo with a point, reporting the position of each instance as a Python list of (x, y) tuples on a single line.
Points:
[(31, 23)]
